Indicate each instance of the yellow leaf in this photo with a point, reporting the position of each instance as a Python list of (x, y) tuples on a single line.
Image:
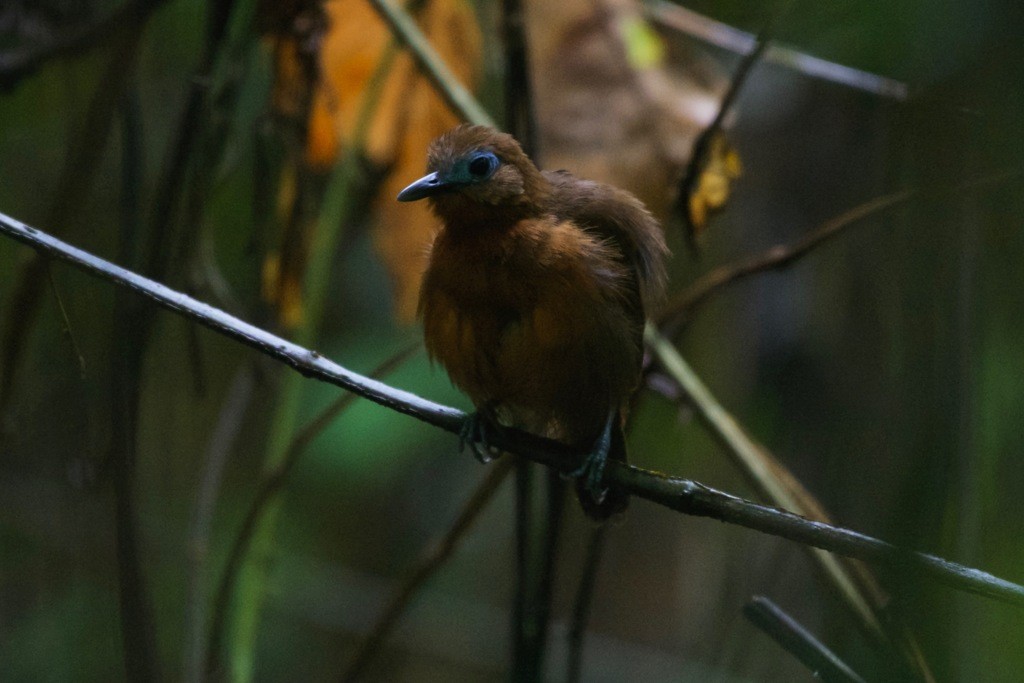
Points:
[(327, 88), (644, 48), (721, 167)]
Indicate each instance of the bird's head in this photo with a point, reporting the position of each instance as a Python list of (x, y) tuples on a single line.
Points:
[(478, 173)]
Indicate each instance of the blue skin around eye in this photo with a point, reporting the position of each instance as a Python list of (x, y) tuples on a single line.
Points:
[(461, 174), (484, 162)]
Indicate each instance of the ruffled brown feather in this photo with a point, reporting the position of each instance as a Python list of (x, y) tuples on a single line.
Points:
[(535, 295)]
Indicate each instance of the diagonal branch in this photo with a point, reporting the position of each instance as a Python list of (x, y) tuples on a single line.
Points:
[(798, 641), (222, 440), (433, 557), (780, 256), (458, 98), (702, 145), (852, 582), (272, 484), (18, 64), (686, 21), (584, 601), (682, 495), (307, 362), (73, 187), (673, 314)]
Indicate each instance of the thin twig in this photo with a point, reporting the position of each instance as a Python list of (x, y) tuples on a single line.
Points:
[(520, 118), (224, 436), (577, 634), (583, 602), (272, 484), (133, 326), (18, 64), (529, 611), (685, 20), (523, 597), (75, 348), (434, 556), (335, 212), (683, 495), (138, 628), (671, 317), (185, 139), (553, 520), (702, 145), (77, 177), (775, 484), (458, 98), (798, 641)]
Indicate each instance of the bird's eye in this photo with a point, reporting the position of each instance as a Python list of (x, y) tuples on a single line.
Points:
[(483, 165)]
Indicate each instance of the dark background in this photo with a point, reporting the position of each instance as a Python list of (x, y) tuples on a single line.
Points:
[(885, 370)]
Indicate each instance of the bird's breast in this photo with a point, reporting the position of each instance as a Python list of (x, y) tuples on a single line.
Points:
[(466, 323), (534, 322)]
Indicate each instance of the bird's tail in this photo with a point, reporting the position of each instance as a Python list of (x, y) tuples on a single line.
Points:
[(615, 500)]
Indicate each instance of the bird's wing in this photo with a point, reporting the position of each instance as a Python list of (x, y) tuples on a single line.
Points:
[(619, 218)]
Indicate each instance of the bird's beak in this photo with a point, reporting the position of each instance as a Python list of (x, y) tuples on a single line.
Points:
[(427, 186)]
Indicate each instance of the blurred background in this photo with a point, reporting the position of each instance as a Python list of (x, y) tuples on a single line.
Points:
[(248, 153)]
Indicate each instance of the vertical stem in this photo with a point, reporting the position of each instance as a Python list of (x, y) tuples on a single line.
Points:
[(521, 607), (545, 591), (225, 434), (433, 557), (584, 599), (519, 120), (74, 185), (137, 629), (519, 114), (702, 145), (334, 213)]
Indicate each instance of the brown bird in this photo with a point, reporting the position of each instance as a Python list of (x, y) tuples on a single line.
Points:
[(534, 297)]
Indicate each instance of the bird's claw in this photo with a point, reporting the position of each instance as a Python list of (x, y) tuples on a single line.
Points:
[(591, 471), (591, 474), (475, 433)]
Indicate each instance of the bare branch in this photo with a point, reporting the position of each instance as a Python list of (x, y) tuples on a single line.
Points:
[(222, 440), (702, 145), (683, 495), (138, 626), (852, 582), (405, 29), (684, 20), (522, 599), (798, 641), (20, 63), (673, 315), (694, 498), (73, 187), (432, 559), (584, 600), (273, 482), (531, 600), (520, 118), (66, 320), (670, 317)]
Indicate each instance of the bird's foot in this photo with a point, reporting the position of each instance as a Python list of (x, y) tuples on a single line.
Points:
[(590, 473), (477, 430)]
